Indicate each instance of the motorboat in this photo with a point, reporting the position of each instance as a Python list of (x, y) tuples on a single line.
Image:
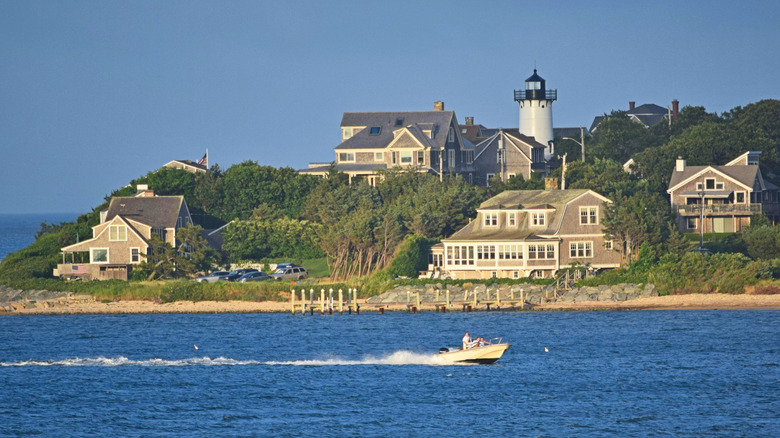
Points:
[(488, 353)]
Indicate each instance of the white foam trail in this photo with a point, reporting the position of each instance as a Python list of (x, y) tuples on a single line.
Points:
[(395, 358)]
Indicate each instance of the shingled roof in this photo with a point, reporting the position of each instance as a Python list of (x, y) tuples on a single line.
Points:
[(743, 174), (157, 211), (550, 200), (387, 122)]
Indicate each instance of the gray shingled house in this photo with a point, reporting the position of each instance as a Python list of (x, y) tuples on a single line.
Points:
[(730, 194), (428, 141), (508, 153), (529, 233), (122, 237)]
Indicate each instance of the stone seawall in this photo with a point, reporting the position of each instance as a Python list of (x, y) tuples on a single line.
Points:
[(530, 294), (13, 299)]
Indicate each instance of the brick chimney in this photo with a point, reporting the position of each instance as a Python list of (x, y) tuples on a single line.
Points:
[(631, 105), (438, 106), (675, 109), (551, 183), (142, 191), (469, 121)]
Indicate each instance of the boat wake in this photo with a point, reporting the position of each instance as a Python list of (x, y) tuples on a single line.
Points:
[(395, 358)]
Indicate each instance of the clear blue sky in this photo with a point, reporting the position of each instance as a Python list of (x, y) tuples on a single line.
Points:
[(96, 93)]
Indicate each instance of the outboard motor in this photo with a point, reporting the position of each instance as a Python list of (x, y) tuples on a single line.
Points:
[(444, 350)]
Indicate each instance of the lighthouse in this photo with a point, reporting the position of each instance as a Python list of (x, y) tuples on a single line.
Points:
[(536, 112)]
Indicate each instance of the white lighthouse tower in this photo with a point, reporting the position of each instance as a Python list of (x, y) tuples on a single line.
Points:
[(536, 112)]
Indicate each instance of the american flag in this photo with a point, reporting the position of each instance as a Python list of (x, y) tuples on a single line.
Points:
[(205, 159)]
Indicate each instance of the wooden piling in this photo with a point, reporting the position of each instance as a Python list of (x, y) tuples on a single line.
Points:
[(292, 302), (341, 301), (418, 301)]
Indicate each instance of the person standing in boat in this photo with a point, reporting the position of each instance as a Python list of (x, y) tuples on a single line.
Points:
[(467, 341)]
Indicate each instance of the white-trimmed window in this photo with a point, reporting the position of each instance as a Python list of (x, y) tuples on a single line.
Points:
[(608, 244), (544, 251), (699, 186), (135, 255), (451, 135), (510, 252), (739, 197), (451, 158), (486, 252), (709, 183), (516, 274), (589, 215), (346, 157), (491, 219), (488, 177), (460, 255), (578, 250), (406, 157), (537, 218), (98, 255), (346, 133), (117, 233), (379, 156), (511, 218), (718, 186), (690, 223)]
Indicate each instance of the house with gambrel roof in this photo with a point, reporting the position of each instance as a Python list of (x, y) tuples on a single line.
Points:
[(428, 141), (508, 153), (529, 233), (721, 198), (122, 238)]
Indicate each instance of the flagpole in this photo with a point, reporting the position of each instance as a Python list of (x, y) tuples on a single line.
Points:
[(207, 158)]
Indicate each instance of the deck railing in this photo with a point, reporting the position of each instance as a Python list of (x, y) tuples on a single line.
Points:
[(720, 208)]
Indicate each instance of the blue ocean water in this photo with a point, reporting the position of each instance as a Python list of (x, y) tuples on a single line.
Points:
[(629, 373), (17, 231)]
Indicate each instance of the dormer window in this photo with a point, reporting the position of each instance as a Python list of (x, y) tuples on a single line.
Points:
[(537, 219), (491, 219), (511, 219), (399, 122), (375, 130), (346, 133)]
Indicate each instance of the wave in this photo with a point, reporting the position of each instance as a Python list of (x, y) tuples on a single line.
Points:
[(395, 358)]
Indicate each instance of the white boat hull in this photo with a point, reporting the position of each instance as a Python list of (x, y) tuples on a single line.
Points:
[(483, 355)]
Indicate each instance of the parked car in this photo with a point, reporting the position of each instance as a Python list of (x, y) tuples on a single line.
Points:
[(285, 266), (213, 277), (238, 273), (254, 276), (290, 273)]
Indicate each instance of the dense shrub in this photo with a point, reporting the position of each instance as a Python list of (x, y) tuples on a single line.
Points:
[(411, 257)]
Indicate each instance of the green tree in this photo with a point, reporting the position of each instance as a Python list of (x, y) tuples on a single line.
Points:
[(632, 221), (619, 138)]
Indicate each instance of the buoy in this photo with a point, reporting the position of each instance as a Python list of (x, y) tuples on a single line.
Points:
[(545, 350), (196, 347)]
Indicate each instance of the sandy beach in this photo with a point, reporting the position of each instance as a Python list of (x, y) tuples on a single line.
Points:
[(88, 306)]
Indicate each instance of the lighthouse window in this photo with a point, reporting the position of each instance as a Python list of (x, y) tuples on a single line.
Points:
[(533, 85)]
